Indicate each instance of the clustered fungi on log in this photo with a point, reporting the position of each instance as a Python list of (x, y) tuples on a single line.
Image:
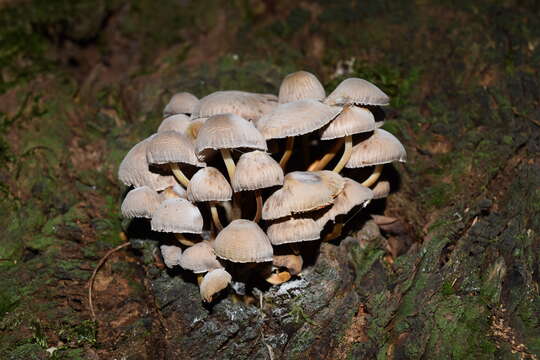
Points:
[(241, 222)]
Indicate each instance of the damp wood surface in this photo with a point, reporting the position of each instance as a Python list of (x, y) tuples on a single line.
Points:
[(454, 276)]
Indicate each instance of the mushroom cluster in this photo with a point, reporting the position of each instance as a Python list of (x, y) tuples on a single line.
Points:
[(230, 175)]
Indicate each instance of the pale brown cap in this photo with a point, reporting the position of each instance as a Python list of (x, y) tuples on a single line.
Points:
[(353, 194), (171, 255), (247, 105), (228, 131), (171, 147), (208, 184), (293, 231), (181, 103), (293, 263), (213, 282), (177, 216), (296, 118), (140, 202), (243, 241), (380, 148), (351, 120), (256, 170), (199, 258), (134, 169), (179, 123), (173, 192), (303, 191), (300, 85), (381, 190), (357, 91)]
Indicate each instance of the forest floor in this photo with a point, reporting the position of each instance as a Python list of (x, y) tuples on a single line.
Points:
[(82, 82)]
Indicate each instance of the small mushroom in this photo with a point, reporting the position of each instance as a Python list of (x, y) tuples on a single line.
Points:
[(303, 191), (213, 282), (380, 148), (243, 241), (256, 170), (177, 216), (171, 255), (173, 192), (381, 190), (181, 103), (294, 231), (199, 258), (293, 119), (209, 185), (357, 91), (173, 148), (300, 85), (179, 123), (140, 202), (293, 263)]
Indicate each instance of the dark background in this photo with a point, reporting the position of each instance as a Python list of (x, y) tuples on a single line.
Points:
[(83, 81)]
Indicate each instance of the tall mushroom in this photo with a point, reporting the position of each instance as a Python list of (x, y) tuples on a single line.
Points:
[(140, 202), (300, 85), (178, 216), (357, 91), (181, 103)]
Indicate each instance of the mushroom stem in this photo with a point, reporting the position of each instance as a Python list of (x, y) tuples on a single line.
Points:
[(179, 175), (336, 231), (200, 278), (372, 179), (215, 217), (321, 163), (294, 248), (288, 152), (183, 240), (229, 162), (346, 154), (226, 205), (258, 198)]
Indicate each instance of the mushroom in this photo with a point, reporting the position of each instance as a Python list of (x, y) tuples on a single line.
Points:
[(173, 148), (357, 91), (178, 216), (179, 123), (213, 282), (293, 231), (209, 185), (140, 202), (303, 191), (171, 255), (181, 103), (293, 119), (293, 263), (200, 258), (173, 192), (380, 148), (247, 105), (243, 241), (352, 120), (225, 132), (300, 85), (256, 170), (134, 169)]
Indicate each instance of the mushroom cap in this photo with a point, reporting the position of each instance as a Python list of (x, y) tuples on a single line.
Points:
[(353, 194), (208, 184), (381, 190), (199, 258), (296, 118), (171, 255), (213, 282), (228, 131), (243, 241), (140, 202), (181, 103), (293, 263), (357, 91), (171, 147), (177, 216), (256, 170), (300, 85), (178, 123), (293, 231), (303, 191), (247, 105), (133, 169), (352, 120), (173, 192), (380, 148)]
